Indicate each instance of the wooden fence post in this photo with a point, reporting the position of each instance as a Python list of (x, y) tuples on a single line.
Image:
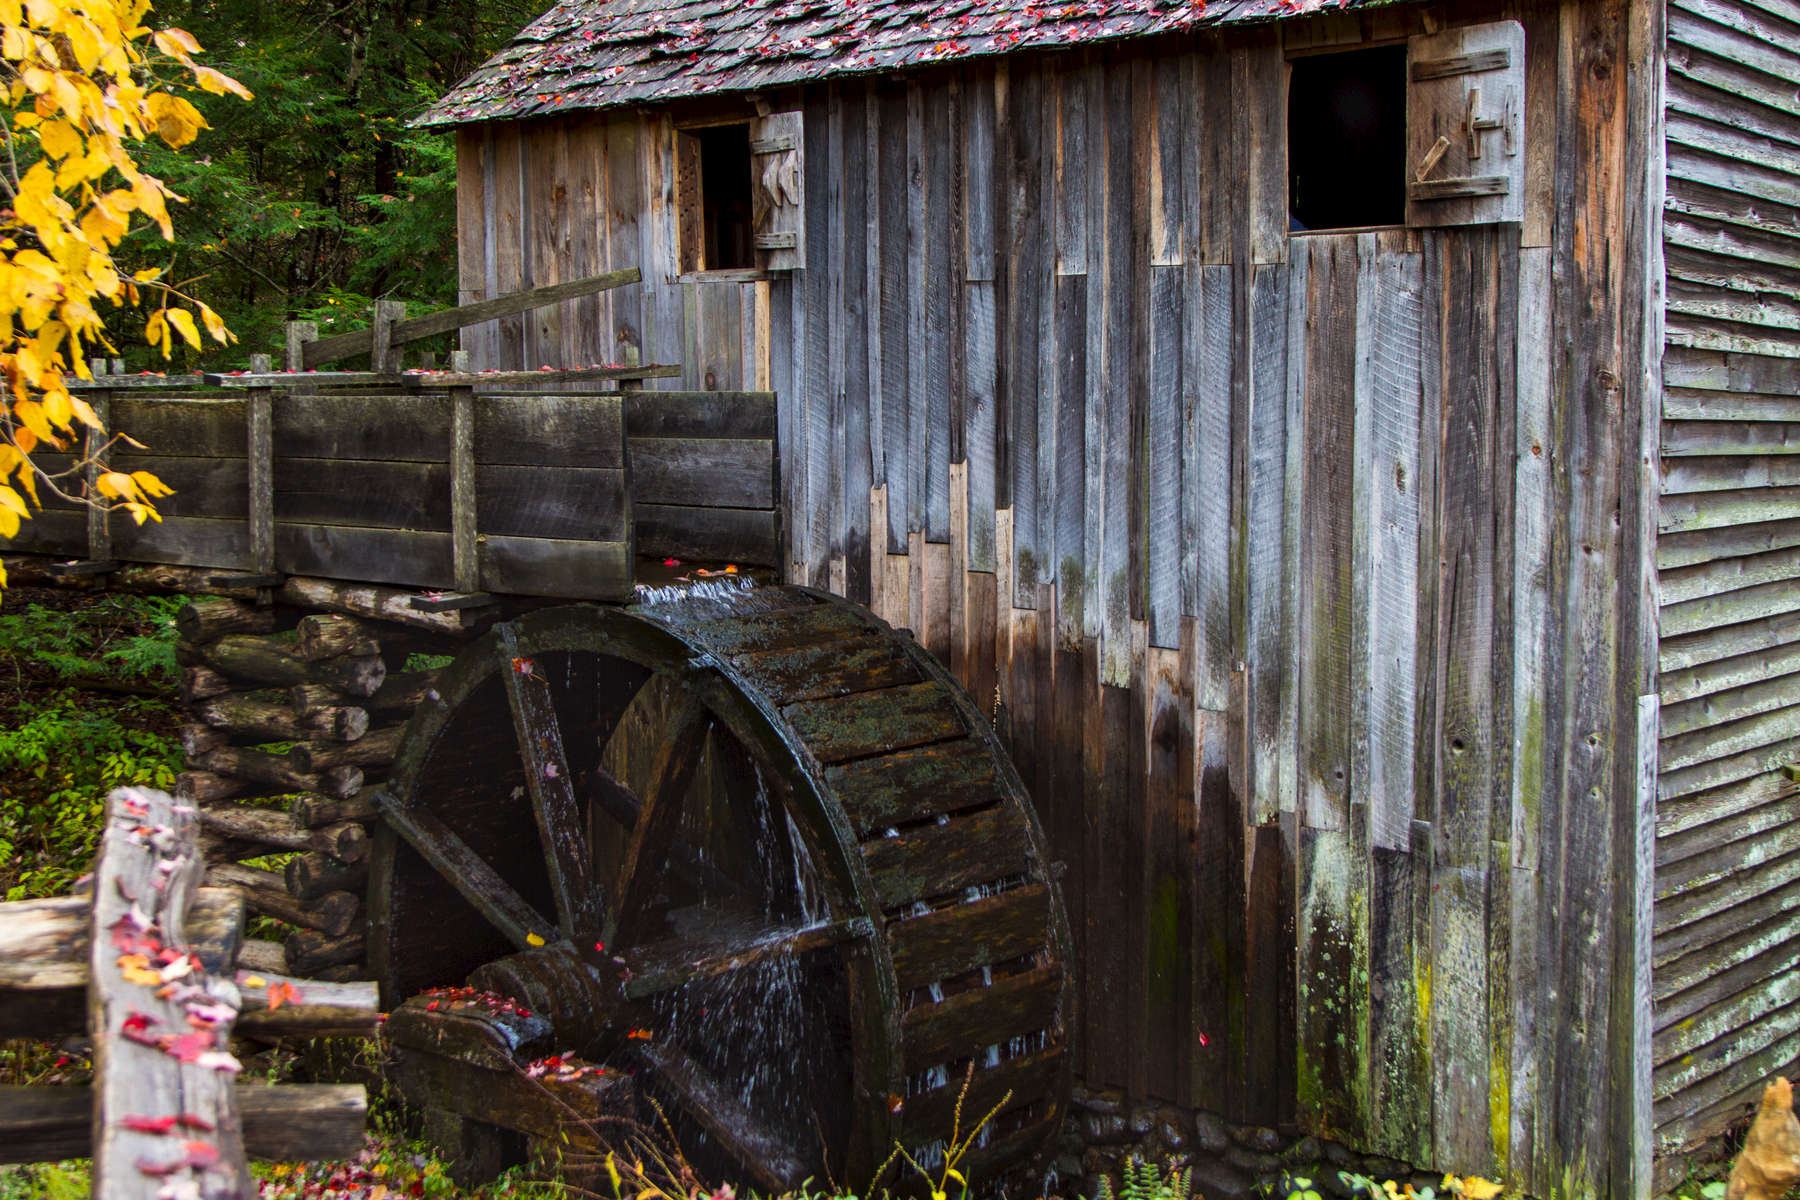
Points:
[(99, 527), (298, 334), (384, 353), (465, 556), (259, 407)]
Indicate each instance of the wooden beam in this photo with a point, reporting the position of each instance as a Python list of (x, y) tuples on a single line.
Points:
[(303, 1122), (260, 451), (465, 558), (151, 1048), (425, 381), (344, 345), (99, 530)]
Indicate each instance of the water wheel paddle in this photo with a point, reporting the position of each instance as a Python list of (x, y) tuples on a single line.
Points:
[(757, 843)]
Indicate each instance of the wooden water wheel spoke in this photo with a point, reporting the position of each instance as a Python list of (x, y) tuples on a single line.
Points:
[(771, 1160), (705, 775), (579, 906), (620, 803), (664, 966), (467, 872), (654, 830)]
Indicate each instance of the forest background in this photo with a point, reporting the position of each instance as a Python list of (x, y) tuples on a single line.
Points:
[(315, 199)]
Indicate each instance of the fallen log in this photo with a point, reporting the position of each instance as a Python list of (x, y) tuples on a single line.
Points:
[(265, 892)]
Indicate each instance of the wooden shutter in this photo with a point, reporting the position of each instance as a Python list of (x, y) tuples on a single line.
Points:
[(690, 235), (778, 191), (1465, 126)]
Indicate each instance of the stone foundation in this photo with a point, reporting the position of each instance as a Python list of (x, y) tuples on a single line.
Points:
[(1104, 1129)]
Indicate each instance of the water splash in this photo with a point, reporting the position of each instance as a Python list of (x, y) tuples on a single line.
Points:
[(720, 596), (745, 1026)]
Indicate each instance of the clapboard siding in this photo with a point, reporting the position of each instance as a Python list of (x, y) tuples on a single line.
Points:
[(1727, 934), (1287, 565)]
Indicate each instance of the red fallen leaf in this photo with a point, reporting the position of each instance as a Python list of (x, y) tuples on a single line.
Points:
[(149, 1167), (640, 1034), (149, 1124), (282, 993), (671, 562), (201, 1154), (522, 666), (199, 1124), (137, 1022), (189, 1046), (895, 1104)]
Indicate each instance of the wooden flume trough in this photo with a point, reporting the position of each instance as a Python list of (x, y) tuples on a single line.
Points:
[(746, 843)]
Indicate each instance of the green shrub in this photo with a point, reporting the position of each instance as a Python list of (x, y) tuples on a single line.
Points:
[(56, 767), (117, 637)]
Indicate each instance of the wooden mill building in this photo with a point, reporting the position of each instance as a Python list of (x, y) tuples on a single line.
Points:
[(1348, 447)]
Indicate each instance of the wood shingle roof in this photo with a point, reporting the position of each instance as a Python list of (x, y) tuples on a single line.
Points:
[(589, 54)]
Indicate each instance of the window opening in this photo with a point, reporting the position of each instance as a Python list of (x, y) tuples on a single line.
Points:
[(721, 230), (1347, 139)]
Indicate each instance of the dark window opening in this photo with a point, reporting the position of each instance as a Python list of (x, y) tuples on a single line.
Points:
[(1347, 139), (725, 220)]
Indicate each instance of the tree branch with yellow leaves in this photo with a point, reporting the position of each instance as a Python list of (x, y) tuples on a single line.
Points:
[(85, 80)]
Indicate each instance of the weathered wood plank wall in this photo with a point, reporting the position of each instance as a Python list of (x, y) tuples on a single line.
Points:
[(1288, 565), (1727, 927)]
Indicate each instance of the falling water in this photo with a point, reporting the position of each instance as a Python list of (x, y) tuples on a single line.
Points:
[(744, 1027), (719, 596)]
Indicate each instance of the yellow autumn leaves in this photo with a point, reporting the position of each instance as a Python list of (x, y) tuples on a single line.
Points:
[(84, 79)]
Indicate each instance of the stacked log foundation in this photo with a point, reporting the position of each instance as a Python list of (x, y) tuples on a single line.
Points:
[(295, 701)]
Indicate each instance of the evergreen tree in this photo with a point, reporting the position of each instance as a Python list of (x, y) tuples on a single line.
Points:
[(318, 198)]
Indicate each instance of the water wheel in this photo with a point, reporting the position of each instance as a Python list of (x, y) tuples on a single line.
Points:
[(761, 846)]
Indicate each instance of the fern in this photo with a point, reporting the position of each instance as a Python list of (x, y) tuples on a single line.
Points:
[(121, 636), (1140, 1180)]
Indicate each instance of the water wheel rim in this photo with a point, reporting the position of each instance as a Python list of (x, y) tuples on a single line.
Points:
[(654, 640)]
